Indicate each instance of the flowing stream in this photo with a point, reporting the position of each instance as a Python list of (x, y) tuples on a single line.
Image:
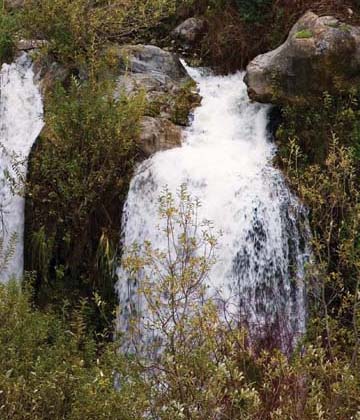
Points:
[(226, 162), (21, 116)]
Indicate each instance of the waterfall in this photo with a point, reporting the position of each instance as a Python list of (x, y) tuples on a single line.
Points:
[(21, 113), (226, 162)]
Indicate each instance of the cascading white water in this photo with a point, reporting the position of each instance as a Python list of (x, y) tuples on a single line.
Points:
[(226, 162), (21, 116)]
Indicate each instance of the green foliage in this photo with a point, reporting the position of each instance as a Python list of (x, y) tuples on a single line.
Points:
[(50, 367), (177, 104), (183, 102), (79, 180), (195, 363), (313, 124), (78, 30), (333, 196), (319, 148), (191, 364), (207, 367), (8, 27)]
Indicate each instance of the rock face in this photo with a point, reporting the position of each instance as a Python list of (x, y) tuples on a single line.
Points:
[(320, 54), (189, 32), (151, 60), (170, 93), (158, 134), (151, 69)]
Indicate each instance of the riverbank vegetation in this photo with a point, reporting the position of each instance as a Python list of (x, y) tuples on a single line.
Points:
[(79, 180), (58, 354), (55, 366)]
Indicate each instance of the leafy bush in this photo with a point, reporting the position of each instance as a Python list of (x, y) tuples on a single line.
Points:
[(8, 27), (320, 155), (79, 177), (50, 367), (78, 30)]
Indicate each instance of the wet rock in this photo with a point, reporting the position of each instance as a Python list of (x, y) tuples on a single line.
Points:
[(320, 54), (158, 134)]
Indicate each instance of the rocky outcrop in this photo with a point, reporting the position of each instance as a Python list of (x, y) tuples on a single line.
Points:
[(151, 60), (158, 134), (320, 54), (158, 73), (189, 32), (170, 93)]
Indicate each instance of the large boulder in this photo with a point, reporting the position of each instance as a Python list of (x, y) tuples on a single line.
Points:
[(160, 74), (321, 54), (170, 92), (152, 60)]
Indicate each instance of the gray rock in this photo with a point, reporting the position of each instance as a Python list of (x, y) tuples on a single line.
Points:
[(161, 76), (320, 54), (189, 32), (151, 84), (170, 92), (151, 60), (158, 134)]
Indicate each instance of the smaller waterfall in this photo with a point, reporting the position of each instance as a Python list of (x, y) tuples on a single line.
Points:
[(21, 116)]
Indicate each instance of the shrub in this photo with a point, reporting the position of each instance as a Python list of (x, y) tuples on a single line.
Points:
[(188, 352), (322, 165), (79, 176), (52, 368), (78, 30), (8, 27)]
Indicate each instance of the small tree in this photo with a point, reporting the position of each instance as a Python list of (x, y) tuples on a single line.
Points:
[(189, 353)]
